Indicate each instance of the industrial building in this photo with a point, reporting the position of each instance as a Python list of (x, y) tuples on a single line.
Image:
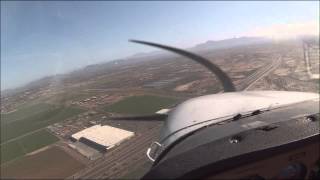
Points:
[(102, 138)]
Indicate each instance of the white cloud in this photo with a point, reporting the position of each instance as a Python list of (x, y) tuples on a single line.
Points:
[(289, 30)]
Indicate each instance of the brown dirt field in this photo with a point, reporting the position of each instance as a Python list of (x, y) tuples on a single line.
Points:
[(50, 163)]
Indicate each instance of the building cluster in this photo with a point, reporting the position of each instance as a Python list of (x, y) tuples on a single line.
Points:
[(96, 101), (66, 128)]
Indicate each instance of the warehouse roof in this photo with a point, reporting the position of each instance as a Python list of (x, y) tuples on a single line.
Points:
[(104, 135)]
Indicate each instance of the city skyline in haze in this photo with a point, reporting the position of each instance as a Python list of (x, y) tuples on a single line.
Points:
[(47, 38)]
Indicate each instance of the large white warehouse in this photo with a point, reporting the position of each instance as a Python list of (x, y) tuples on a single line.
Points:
[(102, 137)]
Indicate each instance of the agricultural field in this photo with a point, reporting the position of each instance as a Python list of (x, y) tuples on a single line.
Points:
[(26, 144), (31, 118), (23, 111), (49, 163), (145, 104), (23, 130)]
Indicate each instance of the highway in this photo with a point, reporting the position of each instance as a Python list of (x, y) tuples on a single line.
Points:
[(306, 54), (248, 82)]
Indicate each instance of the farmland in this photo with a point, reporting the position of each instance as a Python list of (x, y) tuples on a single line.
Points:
[(146, 104), (29, 119), (23, 130), (50, 163), (26, 144), (21, 113)]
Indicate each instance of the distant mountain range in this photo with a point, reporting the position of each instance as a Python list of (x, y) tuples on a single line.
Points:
[(90, 71), (212, 45), (229, 43)]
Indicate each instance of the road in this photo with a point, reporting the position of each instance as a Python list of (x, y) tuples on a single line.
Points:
[(306, 54), (248, 82)]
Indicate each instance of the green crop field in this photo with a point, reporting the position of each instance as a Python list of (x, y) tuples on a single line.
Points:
[(25, 111), (32, 118), (26, 144), (22, 131), (10, 150), (141, 104)]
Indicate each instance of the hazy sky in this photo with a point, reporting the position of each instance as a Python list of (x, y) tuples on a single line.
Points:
[(44, 38)]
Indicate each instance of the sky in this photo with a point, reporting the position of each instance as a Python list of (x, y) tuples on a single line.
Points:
[(45, 38)]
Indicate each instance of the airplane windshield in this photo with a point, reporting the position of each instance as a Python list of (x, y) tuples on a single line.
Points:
[(87, 86)]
